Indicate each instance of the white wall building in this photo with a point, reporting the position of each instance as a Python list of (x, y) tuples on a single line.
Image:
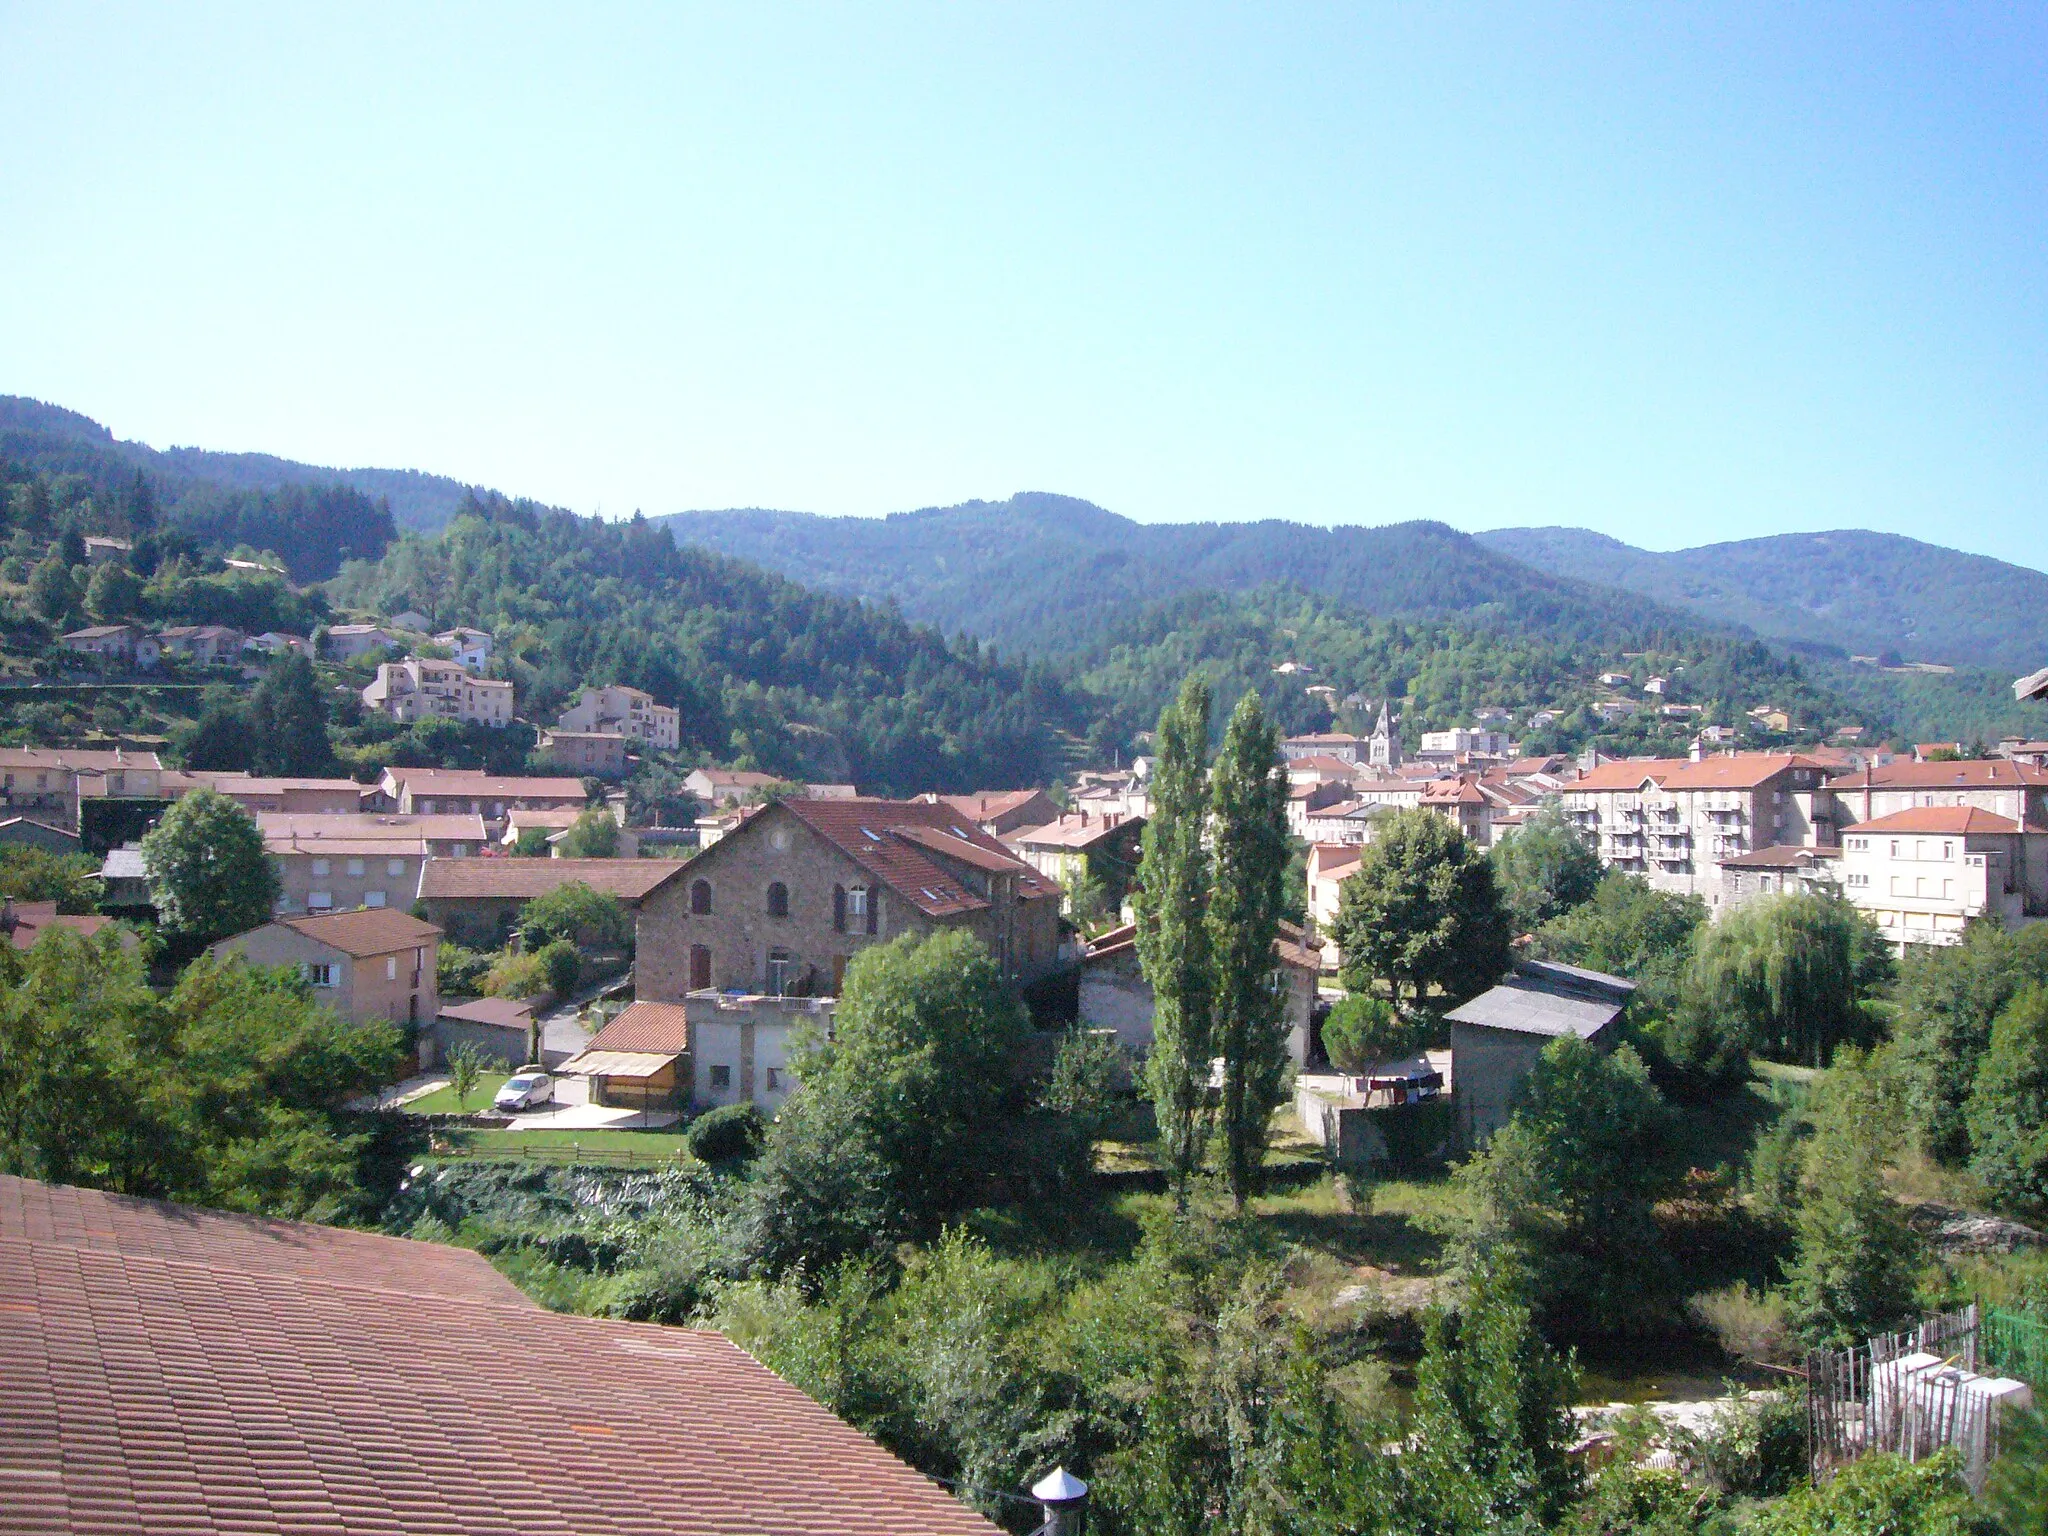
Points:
[(1925, 873)]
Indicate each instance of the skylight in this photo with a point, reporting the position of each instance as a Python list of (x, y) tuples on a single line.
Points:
[(873, 837)]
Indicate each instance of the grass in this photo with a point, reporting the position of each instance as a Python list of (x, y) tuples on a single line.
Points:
[(442, 1101), (506, 1144)]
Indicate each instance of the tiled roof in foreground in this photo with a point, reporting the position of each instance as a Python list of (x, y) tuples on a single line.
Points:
[(168, 1376)]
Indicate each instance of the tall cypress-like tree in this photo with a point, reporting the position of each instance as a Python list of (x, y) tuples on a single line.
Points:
[(1173, 935), (290, 721), (1249, 801)]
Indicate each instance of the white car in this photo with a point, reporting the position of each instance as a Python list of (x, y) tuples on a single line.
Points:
[(525, 1091)]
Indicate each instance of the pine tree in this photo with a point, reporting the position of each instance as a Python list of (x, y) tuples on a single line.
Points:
[(1249, 800), (290, 721), (1173, 938)]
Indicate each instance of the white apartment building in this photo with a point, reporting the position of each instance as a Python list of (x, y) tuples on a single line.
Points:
[(420, 689), (623, 711), (1924, 873), (39, 779), (1673, 821), (1462, 742), (2015, 790)]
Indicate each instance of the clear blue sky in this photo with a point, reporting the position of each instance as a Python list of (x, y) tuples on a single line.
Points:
[(1680, 273)]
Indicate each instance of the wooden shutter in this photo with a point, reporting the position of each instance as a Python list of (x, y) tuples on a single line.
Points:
[(874, 906), (839, 908)]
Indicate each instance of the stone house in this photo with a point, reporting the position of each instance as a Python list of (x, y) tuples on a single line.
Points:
[(1776, 870), (626, 712), (363, 964), (784, 899), (478, 901), (1497, 1036), (1082, 843)]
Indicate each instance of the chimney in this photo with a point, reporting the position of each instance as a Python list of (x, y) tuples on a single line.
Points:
[(1064, 1499)]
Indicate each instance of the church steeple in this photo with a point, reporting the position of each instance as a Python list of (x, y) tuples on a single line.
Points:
[(1385, 748)]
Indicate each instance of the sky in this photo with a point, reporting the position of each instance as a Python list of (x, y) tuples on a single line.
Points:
[(1676, 273)]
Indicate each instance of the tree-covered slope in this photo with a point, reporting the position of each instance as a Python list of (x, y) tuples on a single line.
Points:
[(1052, 573), (56, 442), (1867, 593)]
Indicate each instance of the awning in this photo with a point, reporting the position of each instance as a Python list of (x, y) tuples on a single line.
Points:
[(618, 1063)]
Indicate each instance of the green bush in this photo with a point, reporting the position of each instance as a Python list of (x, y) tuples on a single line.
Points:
[(1363, 1030), (729, 1133), (562, 966)]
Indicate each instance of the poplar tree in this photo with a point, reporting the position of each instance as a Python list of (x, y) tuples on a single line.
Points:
[(1173, 936), (1249, 802)]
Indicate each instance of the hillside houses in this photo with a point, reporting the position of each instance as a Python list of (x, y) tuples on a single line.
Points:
[(418, 688)]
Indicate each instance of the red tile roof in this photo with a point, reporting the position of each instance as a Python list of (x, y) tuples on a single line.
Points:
[(369, 931), (30, 920), (63, 1216), (989, 804), (1458, 791), (1781, 856), (912, 864), (1740, 770), (1949, 820), (503, 1012), (1989, 773), (658, 1028), (195, 1385), (524, 879)]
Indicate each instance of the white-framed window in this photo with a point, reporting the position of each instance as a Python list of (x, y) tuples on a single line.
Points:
[(856, 901), (391, 967), (321, 869), (394, 866), (320, 975), (319, 901), (373, 898)]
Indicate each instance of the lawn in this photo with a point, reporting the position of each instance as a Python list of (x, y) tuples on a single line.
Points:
[(442, 1101), (510, 1144)]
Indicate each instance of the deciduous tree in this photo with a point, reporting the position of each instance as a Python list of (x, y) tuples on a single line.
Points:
[(208, 874), (1422, 911), (2008, 1110)]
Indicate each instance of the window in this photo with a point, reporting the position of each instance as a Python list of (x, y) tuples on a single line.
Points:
[(721, 1077), (373, 898), (700, 899), (320, 975), (700, 967), (391, 967), (394, 866), (320, 868), (319, 901), (782, 970), (775, 1079), (778, 900), (355, 868)]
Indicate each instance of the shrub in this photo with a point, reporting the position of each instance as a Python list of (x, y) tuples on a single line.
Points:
[(515, 975), (1755, 1447), (460, 972), (729, 1133), (1750, 1325), (562, 967), (1363, 1030)]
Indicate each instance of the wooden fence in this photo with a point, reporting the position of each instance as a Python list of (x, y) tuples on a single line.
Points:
[(1875, 1397)]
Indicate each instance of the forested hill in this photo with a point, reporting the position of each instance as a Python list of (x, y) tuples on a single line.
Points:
[(1053, 574), (57, 442), (766, 672), (1868, 593)]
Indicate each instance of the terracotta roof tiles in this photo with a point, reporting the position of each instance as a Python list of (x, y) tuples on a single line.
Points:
[(1949, 820), (1989, 773), (367, 931), (523, 879), (663, 1028), (912, 864)]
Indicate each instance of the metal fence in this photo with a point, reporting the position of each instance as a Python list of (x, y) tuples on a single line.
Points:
[(2016, 1344), (1897, 1393)]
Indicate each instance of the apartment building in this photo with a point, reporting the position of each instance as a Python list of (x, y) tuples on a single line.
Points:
[(1463, 742), (346, 642), (628, 712), (1674, 821), (2017, 791), (471, 648), (1926, 872), (459, 791), (336, 862), (421, 689)]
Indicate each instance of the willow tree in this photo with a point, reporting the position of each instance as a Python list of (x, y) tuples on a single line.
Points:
[(1792, 971), (1173, 934), (1248, 799)]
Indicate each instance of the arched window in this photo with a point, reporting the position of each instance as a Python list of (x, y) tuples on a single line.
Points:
[(700, 899), (778, 899)]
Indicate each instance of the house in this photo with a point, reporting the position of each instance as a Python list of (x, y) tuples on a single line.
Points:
[(1322, 768), (347, 642), (1462, 803), (363, 964), (548, 823), (741, 1043), (27, 832), (478, 901), (1114, 994), (102, 550), (206, 644), (109, 642), (1774, 871), (421, 689), (1615, 680), (421, 791), (446, 834), (124, 883), (629, 712), (173, 1368), (58, 778), (276, 643), (1497, 1036), (600, 754), (1080, 844), (641, 1060), (997, 811), (726, 786), (410, 622), (338, 861), (785, 898), (1303, 800), (1351, 820), (23, 922), (1338, 744), (1673, 821), (1657, 687), (1767, 718), (500, 1030), (471, 648), (2006, 787), (1329, 866), (1925, 873), (302, 797)]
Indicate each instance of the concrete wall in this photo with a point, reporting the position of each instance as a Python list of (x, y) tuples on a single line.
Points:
[(1488, 1066), (1115, 995), (495, 1045), (740, 1049)]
